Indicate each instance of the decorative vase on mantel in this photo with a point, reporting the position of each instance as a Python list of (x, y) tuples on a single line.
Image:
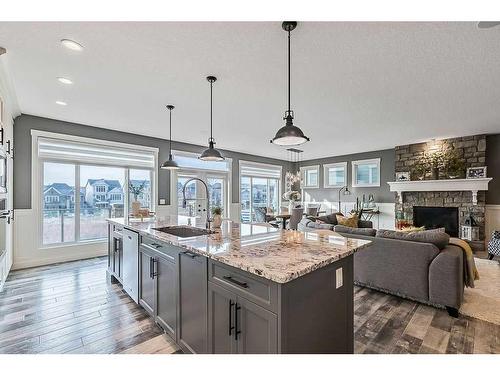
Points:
[(435, 173)]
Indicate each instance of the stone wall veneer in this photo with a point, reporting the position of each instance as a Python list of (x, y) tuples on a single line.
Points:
[(473, 151)]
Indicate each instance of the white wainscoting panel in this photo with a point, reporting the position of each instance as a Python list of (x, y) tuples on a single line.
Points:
[(26, 247), (492, 219)]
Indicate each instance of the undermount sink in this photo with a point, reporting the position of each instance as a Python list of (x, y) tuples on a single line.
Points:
[(184, 231)]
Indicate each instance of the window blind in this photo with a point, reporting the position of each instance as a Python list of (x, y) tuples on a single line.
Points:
[(59, 149), (260, 170)]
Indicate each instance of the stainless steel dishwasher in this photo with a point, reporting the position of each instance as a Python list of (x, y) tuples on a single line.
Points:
[(131, 263)]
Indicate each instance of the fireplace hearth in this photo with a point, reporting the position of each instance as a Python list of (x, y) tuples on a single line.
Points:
[(437, 217)]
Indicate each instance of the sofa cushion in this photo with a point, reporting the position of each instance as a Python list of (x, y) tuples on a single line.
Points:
[(434, 236), (361, 231), (351, 221), (329, 219)]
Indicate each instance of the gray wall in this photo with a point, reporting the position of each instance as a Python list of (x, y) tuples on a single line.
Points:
[(381, 194), (22, 165), (493, 164)]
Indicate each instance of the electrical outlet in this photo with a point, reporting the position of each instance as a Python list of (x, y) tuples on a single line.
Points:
[(339, 279), (163, 201)]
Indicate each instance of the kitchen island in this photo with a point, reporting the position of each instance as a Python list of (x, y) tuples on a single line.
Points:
[(243, 289)]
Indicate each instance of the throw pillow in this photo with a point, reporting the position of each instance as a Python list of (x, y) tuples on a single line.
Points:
[(434, 236), (351, 221), (329, 219)]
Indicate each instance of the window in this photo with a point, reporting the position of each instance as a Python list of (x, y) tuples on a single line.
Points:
[(140, 181), (335, 175), (215, 174), (84, 184), (58, 211), (259, 190), (366, 173), (310, 176)]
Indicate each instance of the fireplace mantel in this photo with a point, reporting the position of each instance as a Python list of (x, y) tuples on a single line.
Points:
[(470, 184)]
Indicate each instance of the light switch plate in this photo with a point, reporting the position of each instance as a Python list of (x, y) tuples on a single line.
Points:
[(163, 201), (339, 279)]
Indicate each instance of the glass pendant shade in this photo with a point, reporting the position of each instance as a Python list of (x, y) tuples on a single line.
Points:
[(170, 164)]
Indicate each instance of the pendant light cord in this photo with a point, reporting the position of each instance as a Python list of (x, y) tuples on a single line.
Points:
[(288, 70), (211, 85), (170, 138)]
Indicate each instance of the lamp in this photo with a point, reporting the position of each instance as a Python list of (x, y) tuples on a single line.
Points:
[(211, 153), (289, 135), (170, 163), (345, 190)]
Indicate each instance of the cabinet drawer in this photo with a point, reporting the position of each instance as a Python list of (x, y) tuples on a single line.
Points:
[(261, 291), (167, 251)]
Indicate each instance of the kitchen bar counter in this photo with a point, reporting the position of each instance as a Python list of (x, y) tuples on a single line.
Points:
[(277, 255)]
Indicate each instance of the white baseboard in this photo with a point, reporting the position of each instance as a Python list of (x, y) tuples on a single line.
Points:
[(20, 264)]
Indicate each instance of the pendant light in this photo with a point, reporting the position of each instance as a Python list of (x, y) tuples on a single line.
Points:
[(211, 153), (170, 163), (289, 135)]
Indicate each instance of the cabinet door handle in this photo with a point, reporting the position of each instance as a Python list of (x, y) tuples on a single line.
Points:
[(155, 245), (231, 327), (150, 267), (234, 281), (154, 274), (236, 331), (189, 254)]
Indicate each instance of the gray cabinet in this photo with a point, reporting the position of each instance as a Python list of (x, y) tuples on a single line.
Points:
[(236, 325), (166, 295), (147, 280), (115, 253), (221, 307), (256, 328), (193, 302)]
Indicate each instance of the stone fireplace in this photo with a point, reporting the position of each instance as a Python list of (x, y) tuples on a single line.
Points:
[(473, 151), (437, 217)]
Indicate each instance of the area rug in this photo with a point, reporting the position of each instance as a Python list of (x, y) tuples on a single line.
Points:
[(483, 301)]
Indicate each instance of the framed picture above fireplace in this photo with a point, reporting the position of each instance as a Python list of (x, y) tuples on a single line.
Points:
[(476, 172)]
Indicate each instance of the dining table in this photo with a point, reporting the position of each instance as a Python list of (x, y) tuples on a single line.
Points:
[(284, 217)]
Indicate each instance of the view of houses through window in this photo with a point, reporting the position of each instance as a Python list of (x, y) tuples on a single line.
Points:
[(76, 209)]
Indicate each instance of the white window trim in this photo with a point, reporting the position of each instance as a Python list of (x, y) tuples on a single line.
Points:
[(37, 179), (326, 167), (303, 177), (356, 163)]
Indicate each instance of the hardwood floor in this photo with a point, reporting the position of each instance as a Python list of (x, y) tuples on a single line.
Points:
[(70, 308)]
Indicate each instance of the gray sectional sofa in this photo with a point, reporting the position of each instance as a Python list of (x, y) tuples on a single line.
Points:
[(429, 272)]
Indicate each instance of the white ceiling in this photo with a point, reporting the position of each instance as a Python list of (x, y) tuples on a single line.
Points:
[(356, 86)]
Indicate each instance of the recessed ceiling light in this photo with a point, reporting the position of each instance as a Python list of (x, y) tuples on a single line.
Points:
[(64, 80), (61, 102), (71, 44)]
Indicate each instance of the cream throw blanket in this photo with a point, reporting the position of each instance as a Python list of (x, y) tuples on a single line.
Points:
[(470, 270)]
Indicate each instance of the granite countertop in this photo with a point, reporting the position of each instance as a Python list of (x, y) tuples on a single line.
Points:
[(275, 254)]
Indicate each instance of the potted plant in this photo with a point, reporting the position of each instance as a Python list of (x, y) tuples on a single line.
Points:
[(136, 190), (217, 217), (454, 166), (435, 161)]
